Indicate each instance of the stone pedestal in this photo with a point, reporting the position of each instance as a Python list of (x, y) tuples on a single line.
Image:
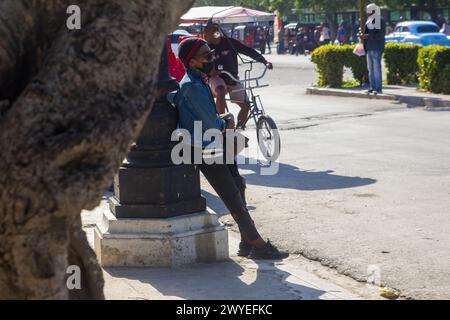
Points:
[(170, 242), (157, 216)]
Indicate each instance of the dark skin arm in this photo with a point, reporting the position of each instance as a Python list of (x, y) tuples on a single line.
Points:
[(250, 52)]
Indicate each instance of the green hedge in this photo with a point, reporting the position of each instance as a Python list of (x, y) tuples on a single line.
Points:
[(434, 69), (357, 64), (406, 63), (401, 63), (330, 61)]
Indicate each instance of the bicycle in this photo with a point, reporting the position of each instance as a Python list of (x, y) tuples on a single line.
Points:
[(266, 129)]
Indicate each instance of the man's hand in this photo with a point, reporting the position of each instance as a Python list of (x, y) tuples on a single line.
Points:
[(269, 65), (215, 73), (364, 36)]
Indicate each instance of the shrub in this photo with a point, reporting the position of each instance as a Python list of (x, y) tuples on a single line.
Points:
[(357, 64), (329, 64), (401, 63), (434, 66), (330, 61)]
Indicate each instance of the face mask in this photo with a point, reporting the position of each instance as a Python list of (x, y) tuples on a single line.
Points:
[(208, 67)]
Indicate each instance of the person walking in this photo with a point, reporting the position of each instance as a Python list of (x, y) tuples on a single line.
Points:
[(317, 32), (374, 44), (267, 39), (195, 103), (325, 34), (445, 28), (262, 40), (342, 35), (300, 42)]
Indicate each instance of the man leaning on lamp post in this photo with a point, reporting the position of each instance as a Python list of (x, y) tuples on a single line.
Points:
[(374, 43)]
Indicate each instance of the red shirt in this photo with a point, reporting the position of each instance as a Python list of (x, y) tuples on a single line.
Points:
[(176, 67)]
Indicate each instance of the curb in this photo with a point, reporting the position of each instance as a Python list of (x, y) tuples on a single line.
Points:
[(430, 104)]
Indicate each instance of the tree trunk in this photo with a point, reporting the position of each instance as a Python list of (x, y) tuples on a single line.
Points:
[(71, 103)]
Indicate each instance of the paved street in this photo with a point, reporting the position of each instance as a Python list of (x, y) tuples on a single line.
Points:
[(295, 278), (362, 184)]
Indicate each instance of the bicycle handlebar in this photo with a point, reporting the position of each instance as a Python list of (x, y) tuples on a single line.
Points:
[(250, 79)]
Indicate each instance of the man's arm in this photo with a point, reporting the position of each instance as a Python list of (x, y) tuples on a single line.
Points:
[(249, 52)]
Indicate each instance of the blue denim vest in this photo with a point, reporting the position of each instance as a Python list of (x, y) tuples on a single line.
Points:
[(194, 102)]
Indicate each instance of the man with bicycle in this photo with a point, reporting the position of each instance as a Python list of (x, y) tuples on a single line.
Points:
[(226, 58)]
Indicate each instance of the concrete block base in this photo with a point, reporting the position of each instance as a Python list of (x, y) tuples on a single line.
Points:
[(171, 242)]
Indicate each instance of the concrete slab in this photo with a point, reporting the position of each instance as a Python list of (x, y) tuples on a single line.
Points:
[(237, 278)]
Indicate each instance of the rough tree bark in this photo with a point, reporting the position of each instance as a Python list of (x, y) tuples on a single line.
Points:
[(71, 103)]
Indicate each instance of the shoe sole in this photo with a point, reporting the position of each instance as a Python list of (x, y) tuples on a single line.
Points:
[(243, 254), (266, 258)]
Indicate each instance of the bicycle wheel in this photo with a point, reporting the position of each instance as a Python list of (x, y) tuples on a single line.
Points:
[(268, 138)]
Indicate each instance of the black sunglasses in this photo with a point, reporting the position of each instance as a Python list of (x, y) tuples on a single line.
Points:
[(207, 55)]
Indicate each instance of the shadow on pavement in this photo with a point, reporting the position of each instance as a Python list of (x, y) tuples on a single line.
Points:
[(291, 177), (217, 281)]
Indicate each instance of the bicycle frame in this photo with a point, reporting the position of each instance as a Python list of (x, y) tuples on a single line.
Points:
[(256, 106)]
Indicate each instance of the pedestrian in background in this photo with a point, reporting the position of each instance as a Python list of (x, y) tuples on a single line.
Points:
[(342, 35), (267, 39), (300, 42), (374, 43), (445, 28), (325, 34), (317, 32), (262, 40)]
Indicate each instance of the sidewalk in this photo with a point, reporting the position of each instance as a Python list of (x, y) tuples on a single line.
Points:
[(408, 95), (236, 279)]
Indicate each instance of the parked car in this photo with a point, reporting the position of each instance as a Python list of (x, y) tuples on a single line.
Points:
[(175, 37), (418, 32)]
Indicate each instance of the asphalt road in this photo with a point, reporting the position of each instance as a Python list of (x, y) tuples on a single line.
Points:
[(362, 184)]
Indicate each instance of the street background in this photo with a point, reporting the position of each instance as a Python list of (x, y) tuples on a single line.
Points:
[(362, 183)]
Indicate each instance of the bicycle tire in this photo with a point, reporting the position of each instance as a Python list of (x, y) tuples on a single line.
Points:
[(265, 123)]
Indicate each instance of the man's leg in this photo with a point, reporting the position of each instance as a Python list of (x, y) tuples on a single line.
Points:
[(238, 94), (241, 185), (370, 66), (221, 103), (243, 114), (219, 90), (378, 75), (221, 179)]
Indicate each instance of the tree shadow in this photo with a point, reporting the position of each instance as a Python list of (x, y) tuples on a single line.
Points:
[(218, 281)]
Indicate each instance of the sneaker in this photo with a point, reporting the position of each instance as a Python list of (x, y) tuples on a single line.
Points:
[(244, 249), (379, 92), (370, 91), (269, 252)]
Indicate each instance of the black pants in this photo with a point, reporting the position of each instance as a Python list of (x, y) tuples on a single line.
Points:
[(230, 186), (268, 47)]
